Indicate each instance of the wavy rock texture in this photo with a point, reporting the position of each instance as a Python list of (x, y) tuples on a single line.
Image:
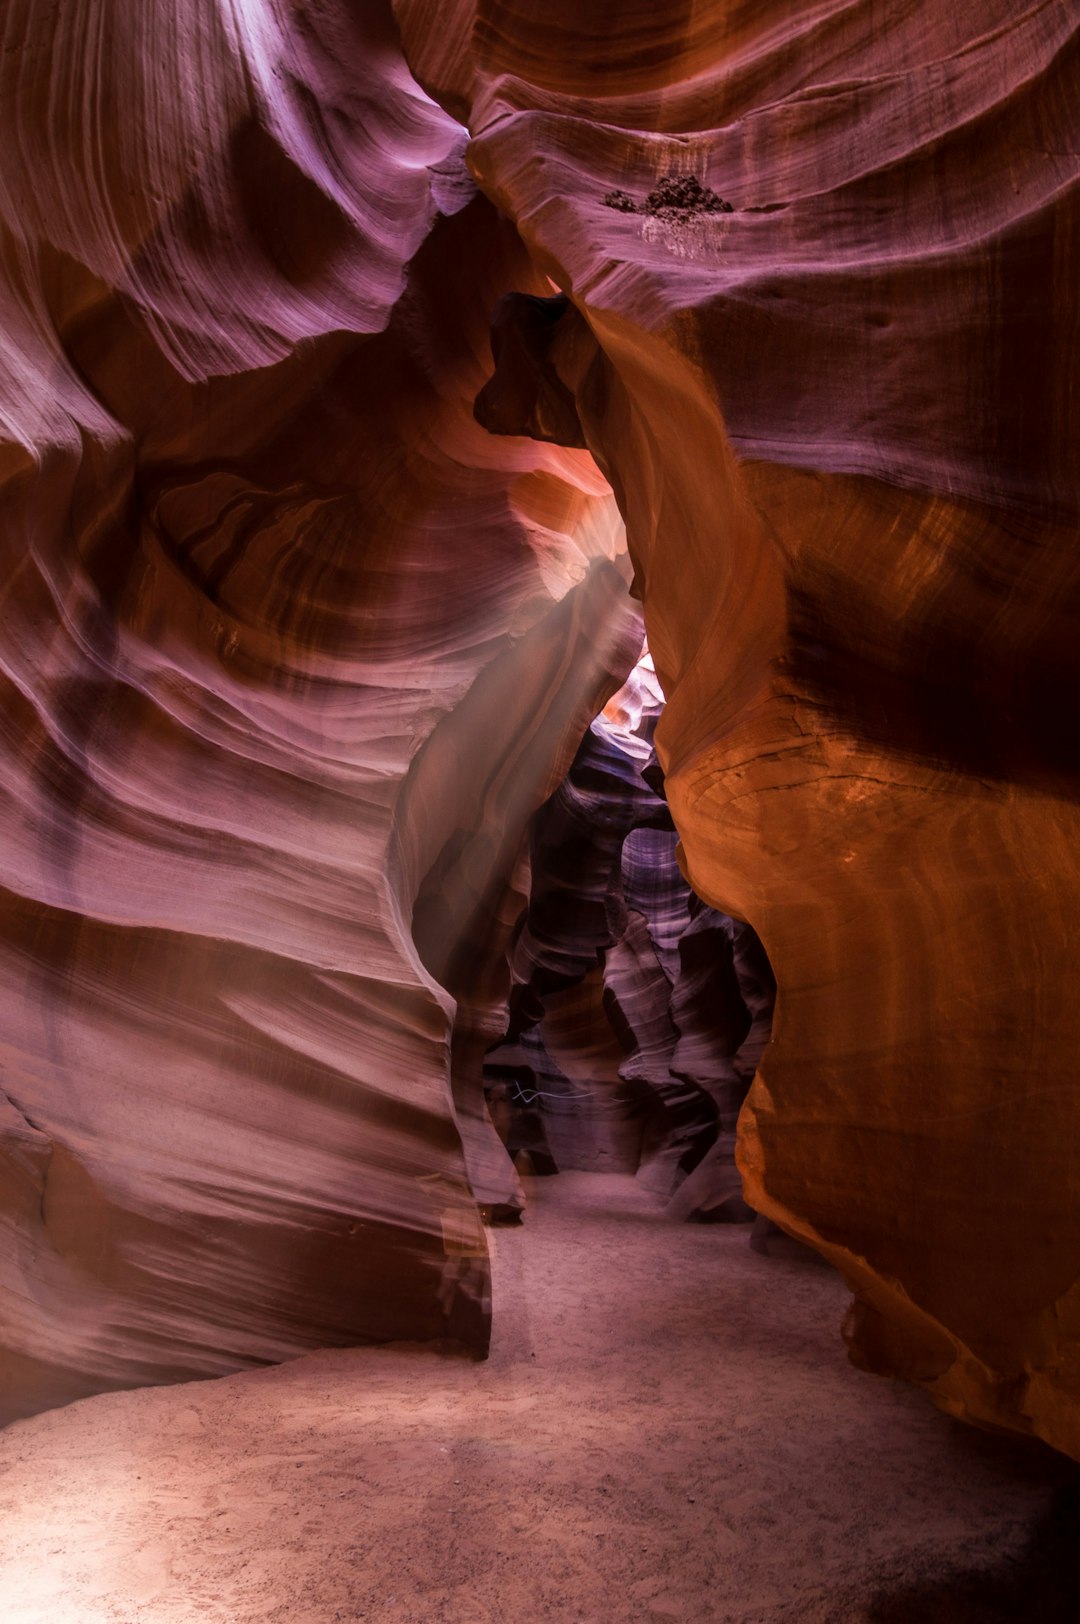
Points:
[(629, 1045), (290, 647), (841, 424)]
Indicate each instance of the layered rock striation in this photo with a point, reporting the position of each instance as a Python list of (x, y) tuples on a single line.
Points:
[(630, 1044), (293, 647), (290, 651), (840, 422)]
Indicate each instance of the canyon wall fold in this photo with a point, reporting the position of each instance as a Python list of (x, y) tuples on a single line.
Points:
[(637, 1015), (305, 613), (257, 559), (818, 325)]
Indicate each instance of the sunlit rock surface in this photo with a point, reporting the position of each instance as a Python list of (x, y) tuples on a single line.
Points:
[(841, 423), (290, 648)]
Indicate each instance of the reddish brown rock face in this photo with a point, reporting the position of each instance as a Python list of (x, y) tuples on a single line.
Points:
[(292, 646), (841, 424), (288, 643)]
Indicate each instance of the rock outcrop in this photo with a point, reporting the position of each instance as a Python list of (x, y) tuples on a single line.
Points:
[(840, 421)]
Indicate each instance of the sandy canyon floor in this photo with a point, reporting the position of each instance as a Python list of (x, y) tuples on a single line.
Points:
[(667, 1429)]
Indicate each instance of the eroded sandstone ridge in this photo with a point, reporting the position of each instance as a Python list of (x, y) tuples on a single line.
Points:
[(841, 424), (288, 644)]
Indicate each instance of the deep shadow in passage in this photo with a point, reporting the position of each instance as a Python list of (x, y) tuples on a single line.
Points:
[(1040, 1587)]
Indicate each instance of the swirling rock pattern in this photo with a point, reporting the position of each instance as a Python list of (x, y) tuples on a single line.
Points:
[(258, 556), (629, 1044), (290, 650), (841, 423)]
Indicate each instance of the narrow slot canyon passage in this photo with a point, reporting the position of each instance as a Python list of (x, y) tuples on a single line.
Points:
[(637, 1015), (539, 812), (666, 1429)]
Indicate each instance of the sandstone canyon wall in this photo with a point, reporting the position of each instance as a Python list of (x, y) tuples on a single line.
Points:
[(292, 647), (637, 1015), (840, 419), (284, 634)]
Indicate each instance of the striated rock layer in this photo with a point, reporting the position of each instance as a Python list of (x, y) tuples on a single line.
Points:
[(637, 1014), (292, 647), (841, 423), (290, 650)]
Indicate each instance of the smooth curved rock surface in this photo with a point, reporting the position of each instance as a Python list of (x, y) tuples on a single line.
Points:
[(256, 552), (841, 425), (257, 557)]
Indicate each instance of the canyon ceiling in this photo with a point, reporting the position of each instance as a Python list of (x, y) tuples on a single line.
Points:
[(308, 603)]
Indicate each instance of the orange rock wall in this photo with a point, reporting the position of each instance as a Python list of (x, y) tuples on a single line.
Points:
[(841, 423)]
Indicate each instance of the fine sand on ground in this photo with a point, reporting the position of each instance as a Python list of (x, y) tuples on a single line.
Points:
[(667, 1429)]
